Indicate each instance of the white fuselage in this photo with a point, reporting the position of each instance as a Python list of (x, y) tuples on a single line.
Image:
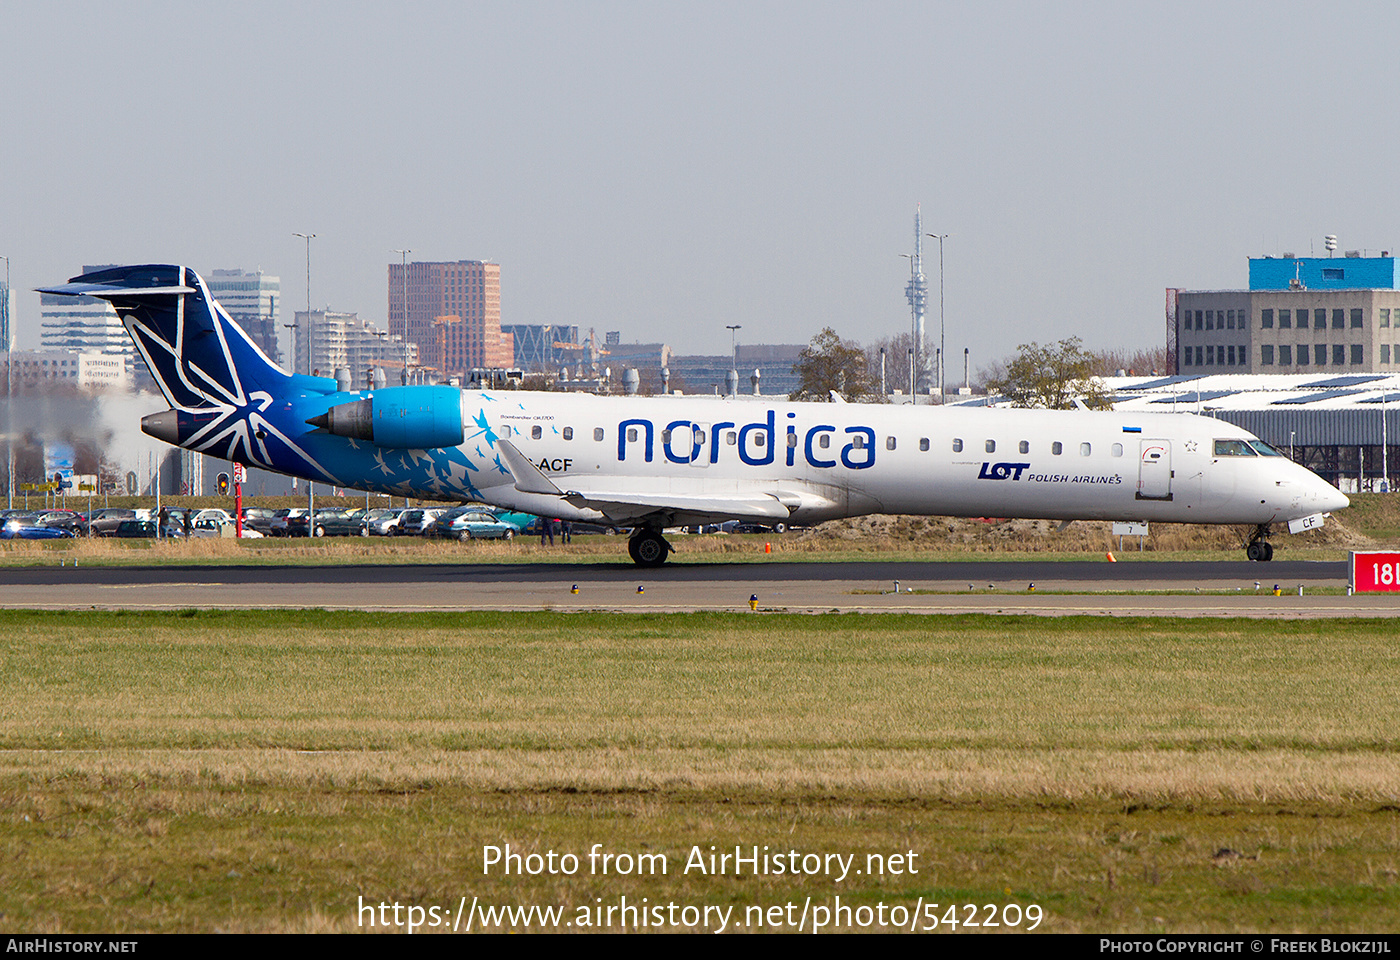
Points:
[(717, 457)]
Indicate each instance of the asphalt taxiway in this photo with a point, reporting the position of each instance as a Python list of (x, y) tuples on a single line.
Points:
[(1212, 588)]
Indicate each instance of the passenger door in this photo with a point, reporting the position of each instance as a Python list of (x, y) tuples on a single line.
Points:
[(1154, 470)]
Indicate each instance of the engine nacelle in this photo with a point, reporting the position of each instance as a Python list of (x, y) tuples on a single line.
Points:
[(417, 418)]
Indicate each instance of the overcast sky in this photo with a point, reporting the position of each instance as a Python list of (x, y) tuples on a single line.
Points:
[(665, 169)]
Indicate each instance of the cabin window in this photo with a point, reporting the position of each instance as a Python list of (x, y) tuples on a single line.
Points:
[(1116, 449), (1024, 446), (858, 441), (568, 433), (923, 444), (730, 437), (824, 440), (792, 440), (889, 443), (957, 446), (631, 434), (991, 446), (1085, 449), (665, 436), (760, 439), (1057, 448), (536, 432), (505, 430), (597, 433)]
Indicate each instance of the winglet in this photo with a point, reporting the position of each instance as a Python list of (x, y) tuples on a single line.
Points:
[(526, 475)]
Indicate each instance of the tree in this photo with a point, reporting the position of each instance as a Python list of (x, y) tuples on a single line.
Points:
[(1052, 377), (829, 363), (896, 361), (1154, 361)]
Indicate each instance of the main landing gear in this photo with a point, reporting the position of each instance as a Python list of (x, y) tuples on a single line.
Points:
[(648, 547), (1259, 547)]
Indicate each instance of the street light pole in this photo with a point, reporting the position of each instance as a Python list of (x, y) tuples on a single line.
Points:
[(9, 394), (734, 329), (310, 484), (942, 344)]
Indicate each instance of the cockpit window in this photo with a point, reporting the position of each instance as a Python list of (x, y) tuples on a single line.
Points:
[(1233, 448), (1264, 449)]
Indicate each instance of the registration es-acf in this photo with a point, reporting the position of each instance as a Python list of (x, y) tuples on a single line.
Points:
[(1375, 572)]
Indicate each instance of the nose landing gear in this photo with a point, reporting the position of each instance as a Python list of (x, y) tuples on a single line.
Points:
[(1259, 548)]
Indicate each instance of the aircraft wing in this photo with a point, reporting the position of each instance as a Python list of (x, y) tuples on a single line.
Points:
[(631, 506)]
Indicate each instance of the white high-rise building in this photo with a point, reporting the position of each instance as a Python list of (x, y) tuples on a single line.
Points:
[(343, 340)]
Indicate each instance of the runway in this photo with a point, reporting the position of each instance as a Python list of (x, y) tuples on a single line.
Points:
[(1186, 589)]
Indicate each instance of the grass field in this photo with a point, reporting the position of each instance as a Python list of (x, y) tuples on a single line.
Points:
[(264, 771)]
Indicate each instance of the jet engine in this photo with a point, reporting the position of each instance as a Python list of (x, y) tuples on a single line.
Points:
[(418, 418)]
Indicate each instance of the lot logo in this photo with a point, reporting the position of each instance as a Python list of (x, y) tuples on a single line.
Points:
[(1002, 471)]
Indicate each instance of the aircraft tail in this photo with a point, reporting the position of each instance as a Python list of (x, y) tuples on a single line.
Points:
[(200, 358)]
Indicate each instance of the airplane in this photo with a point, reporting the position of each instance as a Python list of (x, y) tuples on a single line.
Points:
[(653, 463)]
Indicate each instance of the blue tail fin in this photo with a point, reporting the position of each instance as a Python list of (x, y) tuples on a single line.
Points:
[(199, 357)]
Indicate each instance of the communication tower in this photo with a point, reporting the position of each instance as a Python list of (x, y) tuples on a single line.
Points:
[(916, 291)]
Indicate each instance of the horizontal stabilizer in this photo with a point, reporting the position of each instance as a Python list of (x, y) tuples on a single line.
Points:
[(107, 291)]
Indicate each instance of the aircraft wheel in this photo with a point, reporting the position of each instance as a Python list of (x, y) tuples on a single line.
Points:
[(648, 549), (1268, 551)]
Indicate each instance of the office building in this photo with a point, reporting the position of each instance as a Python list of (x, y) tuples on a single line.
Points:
[(465, 295), (251, 300), (543, 347), (1299, 315), (87, 325), (698, 373), (342, 341), (86, 370)]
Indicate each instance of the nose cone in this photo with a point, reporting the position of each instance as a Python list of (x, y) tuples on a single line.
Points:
[(1320, 496), (1329, 498)]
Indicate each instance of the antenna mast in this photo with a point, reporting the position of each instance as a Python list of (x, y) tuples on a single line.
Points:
[(917, 293)]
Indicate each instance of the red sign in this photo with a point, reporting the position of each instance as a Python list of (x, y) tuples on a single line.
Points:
[(1373, 572)]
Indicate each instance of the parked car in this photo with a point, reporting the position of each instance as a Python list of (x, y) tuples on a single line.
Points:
[(289, 522), (218, 527), (259, 519), (383, 521), (340, 523), (17, 529), (103, 523), (136, 528), (70, 520), (470, 523), (412, 522)]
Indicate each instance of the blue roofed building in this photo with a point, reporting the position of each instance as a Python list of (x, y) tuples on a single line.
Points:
[(1302, 315)]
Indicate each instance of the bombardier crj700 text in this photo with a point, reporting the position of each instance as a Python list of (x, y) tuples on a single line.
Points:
[(653, 463)]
